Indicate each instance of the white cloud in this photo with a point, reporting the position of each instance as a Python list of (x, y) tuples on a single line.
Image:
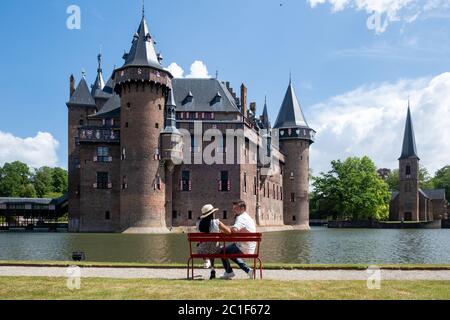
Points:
[(198, 70), (370, 121), (384, 12), (35, 151), (175, 70)]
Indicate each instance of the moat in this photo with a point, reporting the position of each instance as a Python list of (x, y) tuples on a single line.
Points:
[(318, 246)]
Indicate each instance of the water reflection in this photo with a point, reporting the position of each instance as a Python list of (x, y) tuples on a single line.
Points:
[(320, 245)]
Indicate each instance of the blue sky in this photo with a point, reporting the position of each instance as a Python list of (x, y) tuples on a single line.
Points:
[(337, 62)]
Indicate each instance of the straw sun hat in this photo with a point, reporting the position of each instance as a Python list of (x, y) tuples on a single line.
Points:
[(208, 210)]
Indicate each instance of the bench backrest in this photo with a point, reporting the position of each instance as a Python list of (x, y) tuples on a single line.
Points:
[(224, 238)]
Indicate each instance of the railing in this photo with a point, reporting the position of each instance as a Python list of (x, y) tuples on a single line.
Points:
[(98, 135)]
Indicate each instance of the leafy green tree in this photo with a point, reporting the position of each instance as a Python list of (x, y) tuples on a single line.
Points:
[(59, 180), (43, 181), (353, 190), (393, 180), (14, 177), (441, 180), (28, 191)]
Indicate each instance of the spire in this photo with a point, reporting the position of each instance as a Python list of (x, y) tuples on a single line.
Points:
[(170, 121), (142, 52), (409, 149), (265, 116), (99, 83), (290, 115), (143, 9)]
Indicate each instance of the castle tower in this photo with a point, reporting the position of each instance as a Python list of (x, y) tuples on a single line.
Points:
[(409, 175), (143, 86), (80, 106), (295, 138)]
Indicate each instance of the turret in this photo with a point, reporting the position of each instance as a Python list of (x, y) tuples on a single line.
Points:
[(409, 174), (143, 86), (97, 88), (80, 106), (171, 138), (295, 137)]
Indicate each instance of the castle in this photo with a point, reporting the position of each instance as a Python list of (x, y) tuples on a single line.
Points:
[(411, 203), (132, 169)]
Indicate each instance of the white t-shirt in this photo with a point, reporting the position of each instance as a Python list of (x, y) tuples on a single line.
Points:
[(245, 224)]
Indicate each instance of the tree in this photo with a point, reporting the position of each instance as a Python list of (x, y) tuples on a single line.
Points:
[(393, 180), (28, 191), (43, 181), (353, 190), (14, 177), (441, 180), (59, 181)]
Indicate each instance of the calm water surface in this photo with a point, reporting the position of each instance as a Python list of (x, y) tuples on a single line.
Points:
[(320, 245)]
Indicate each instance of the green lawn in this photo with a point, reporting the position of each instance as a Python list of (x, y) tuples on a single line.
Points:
[(112, 289), (266, 266)]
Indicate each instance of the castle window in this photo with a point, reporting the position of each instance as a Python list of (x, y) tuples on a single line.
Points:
[(157, 183), (159, 107), (292, 175), (225, 214), (103, 155), (224, 182), (156, 125), (189, 215), (186, 183), (126, 125), (274, 193), (408, 171), (124, 183), (281, 193), (174, 214), (264, 190), (102, 180), (107, 215), (255, 186), (128, 105), (292, 197), (245, 182), (124, 154), (294, 218), (81, 122)]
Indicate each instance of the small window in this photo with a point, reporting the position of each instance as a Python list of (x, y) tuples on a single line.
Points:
[(103, 154), (255, 186), (102, 180), (126, 125), (189, 215), (225, 214), (292, 175), (174, 214), (124, 154), (408, 170), (186, 184), (292, 197), (159, 107), (128, 105), (224, 183), (156, 125), (107, 215), (294, 218), (81, 122), (124, 182), (245, 182)]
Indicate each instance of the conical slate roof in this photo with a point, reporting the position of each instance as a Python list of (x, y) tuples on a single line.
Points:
[(142, 52), (82, 95), (99, 84), (409, 149), (290, 115), (265, 116)]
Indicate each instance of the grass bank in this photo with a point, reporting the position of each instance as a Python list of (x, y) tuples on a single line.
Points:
[(266, 266), (113, 289)]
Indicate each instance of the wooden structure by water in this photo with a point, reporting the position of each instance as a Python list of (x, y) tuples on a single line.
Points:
[(27, 214)]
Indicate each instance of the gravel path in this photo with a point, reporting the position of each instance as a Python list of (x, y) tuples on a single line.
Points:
[(286, 275)]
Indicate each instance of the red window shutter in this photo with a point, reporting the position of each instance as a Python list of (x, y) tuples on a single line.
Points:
[(181, 185), (229, 185), (219, 187), (190, 185), (110, 185), (94, 186), (95, 159), (212, 115), (110, 159)]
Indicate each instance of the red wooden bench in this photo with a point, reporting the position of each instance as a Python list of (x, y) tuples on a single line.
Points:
[(223, 239)]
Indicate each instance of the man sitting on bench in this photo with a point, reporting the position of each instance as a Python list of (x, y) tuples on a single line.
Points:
[(243, 224)]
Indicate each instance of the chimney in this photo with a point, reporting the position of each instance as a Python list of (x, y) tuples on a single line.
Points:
[(253, 107), (244, 99), (72, 85)]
